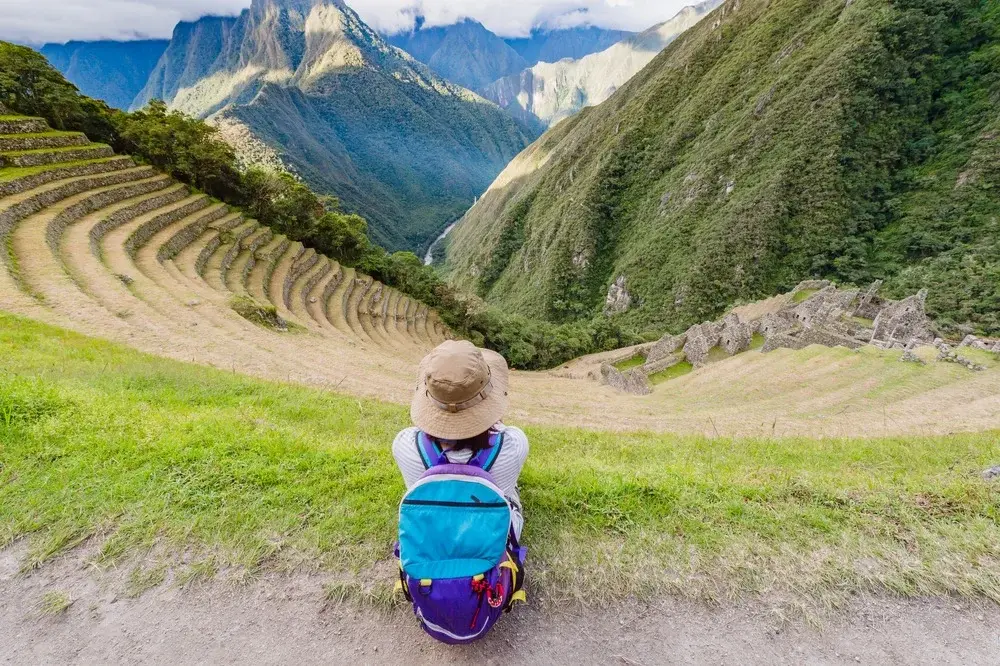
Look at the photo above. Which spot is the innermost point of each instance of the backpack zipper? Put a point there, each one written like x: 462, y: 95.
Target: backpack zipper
x: 469, y: 505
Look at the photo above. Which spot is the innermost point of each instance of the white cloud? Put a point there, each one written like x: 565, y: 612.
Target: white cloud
x: 38, y: 21
x: 511, y: 18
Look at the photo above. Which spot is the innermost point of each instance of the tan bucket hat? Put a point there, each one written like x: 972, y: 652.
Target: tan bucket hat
x: 461, y: 391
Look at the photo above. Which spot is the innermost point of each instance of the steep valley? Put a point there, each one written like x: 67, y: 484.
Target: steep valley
x: 337, y: 105
x: 772, y: 142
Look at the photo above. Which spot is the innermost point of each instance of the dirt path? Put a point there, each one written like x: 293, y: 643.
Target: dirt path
x: 284, y: 619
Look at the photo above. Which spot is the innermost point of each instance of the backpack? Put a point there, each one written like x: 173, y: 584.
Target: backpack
x: 460, y: 564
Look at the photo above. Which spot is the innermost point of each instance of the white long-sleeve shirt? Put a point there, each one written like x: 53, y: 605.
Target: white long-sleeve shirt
x: 505, y: 472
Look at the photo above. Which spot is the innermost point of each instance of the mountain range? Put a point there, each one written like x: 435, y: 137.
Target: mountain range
x: 554, y: 44
x: 309, y: 84
x: 108, y: 70
x: 773, y: 141
x: 550, y: 91
x: 395, y: 133
x: 468, y: 54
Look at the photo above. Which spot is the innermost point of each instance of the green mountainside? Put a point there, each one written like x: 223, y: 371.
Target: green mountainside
x: 774, y: 141
x: 113, y: 71
x: 307, y: 84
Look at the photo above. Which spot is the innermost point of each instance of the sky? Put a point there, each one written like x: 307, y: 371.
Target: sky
x: 39, y: 21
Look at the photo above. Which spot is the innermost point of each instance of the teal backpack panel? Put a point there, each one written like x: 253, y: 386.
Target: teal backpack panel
x: 452, y: 527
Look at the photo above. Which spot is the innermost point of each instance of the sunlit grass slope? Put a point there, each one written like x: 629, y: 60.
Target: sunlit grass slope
x: 145, y: 459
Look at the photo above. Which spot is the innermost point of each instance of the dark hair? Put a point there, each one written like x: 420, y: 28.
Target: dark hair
x: 474, y: 444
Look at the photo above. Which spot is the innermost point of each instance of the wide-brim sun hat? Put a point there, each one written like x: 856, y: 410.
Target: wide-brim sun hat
x: 461, y: 391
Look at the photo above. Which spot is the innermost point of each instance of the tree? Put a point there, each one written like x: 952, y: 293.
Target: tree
x: 30, y: 86
x: 185, y: 147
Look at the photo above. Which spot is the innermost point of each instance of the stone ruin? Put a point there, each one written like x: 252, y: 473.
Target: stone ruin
x: 817, y: 313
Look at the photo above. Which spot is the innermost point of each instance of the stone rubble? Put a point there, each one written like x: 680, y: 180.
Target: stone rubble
x: 817, y: 313
x: 619, y: 300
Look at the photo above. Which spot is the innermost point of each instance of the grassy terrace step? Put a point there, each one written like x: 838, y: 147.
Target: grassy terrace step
x: 214, y: 240
x: 301, y: 266
x: 236, y: 276
x: 389, y: 317
x: 277, y: 285
x: 17, y: 207
x: 211, y: 471
x: 260, y: 276
x: 319, y: 309
x: 182, y: 204
x: 34, y: 242
x: 303, y: 291
x: 408, y: 320
x: 211, y: 272
x: 147, y: 256
x: 45, y: 156
x: 376, y: 314
x: 145, y: 231
x: 101, y: 199
x: 22, y: 125
x: 22, y: 179
x: 364, y: 312
x: 233, y: 242
x: 400, y: 319
x: 38, y: 140
x: 336, y: 297
x: 182, y: 240
x: 420, y: 324
x: 258, y: 265
x: 346, y: 298
x: 352, y: 305
x: 258, y: 248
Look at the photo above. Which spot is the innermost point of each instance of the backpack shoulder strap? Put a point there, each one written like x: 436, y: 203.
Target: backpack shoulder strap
x: 430, y: 453
x: 486, y: 458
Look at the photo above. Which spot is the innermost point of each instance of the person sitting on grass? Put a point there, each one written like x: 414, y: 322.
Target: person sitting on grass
x: 461, y: 520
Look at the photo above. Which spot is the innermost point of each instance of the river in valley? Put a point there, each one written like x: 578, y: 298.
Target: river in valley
x: 429, y: 257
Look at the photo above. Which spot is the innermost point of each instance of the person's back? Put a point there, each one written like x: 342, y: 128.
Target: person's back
x: 461, y: 519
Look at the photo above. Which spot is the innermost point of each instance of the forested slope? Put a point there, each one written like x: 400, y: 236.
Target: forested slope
x: 772, y: 142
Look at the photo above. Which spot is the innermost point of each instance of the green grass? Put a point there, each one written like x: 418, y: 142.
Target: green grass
x: 636, y: 361
x: 54, y: 603
x: 29, y: 135
x: 987, y: 358
x: 803, y: 295
x: 63, y: 149
x: 716, y: 354
x: 158, y: 462
x: 674, y: 371
x: 757, y: 341
x: 13, y: 173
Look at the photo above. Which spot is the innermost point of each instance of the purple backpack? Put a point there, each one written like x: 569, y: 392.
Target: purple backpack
x: 460, y: 564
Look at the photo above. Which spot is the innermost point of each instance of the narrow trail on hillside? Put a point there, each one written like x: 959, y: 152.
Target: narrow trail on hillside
x: 286, y: 619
